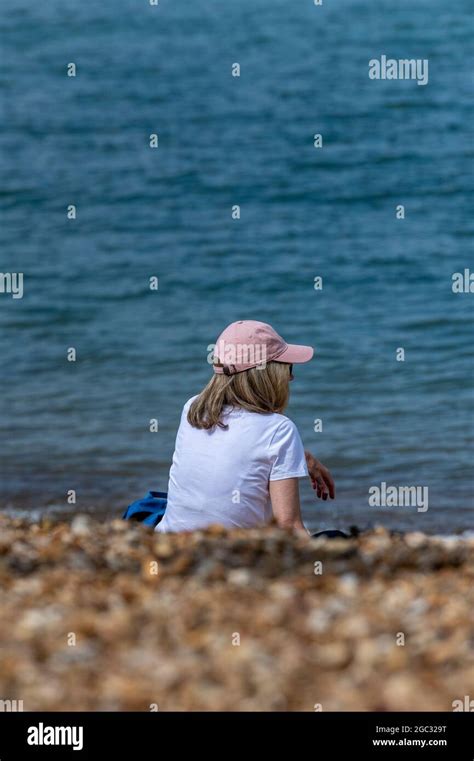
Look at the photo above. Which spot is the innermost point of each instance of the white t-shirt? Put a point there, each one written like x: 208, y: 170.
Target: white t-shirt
x: 221, y: 476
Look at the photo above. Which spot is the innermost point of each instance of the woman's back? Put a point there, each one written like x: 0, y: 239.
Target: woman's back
x: 222, y: 475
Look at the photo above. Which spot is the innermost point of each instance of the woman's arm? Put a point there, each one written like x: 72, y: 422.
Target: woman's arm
x: 285, y: 499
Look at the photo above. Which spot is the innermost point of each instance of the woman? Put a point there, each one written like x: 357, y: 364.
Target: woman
x: 237, y: 458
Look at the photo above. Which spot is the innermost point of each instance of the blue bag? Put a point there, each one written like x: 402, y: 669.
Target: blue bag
x: 149, y: 510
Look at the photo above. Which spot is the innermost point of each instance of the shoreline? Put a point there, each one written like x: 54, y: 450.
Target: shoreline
x: 112, y: 616
x: 54, y: 513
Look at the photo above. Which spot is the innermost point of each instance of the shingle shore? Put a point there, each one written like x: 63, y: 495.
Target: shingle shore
x: 111, y: 616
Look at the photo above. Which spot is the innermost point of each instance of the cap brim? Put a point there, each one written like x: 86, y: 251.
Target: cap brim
x: 295, y: 354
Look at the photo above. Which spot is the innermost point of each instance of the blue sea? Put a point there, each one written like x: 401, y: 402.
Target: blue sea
x: 305, y: 212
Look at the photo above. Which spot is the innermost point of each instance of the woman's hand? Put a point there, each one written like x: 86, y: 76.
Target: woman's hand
x: 321, y: 479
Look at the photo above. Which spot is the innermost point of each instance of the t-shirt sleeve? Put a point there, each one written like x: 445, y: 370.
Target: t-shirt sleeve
x: 287, y: 453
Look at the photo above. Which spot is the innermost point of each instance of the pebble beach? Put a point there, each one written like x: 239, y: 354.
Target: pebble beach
x: 112, y: 616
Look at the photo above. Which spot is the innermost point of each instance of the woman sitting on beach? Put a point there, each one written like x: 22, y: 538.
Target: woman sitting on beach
x: 237, y: 458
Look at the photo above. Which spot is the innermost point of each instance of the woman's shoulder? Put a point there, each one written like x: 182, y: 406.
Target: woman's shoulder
x: 275, y: 422
x: 282, y: 423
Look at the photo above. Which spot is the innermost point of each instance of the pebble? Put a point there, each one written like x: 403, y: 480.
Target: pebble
x: 81, y: 525
x: 232, y: 620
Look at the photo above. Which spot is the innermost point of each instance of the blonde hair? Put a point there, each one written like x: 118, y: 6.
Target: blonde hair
x: 263, y: 389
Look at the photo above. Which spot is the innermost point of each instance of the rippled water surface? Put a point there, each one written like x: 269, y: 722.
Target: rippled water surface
x: 304, y: 213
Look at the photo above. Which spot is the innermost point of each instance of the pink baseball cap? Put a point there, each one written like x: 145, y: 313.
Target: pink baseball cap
x: 248, y: 343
